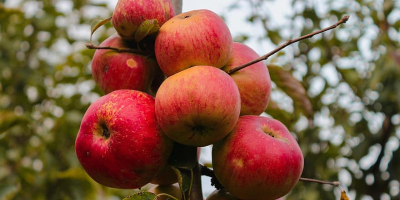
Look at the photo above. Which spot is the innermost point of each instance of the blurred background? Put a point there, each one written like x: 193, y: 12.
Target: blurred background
x: 338, y: 92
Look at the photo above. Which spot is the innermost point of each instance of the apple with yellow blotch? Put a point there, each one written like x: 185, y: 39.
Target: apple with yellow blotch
x: 113, y: 70
x: 258, y: 160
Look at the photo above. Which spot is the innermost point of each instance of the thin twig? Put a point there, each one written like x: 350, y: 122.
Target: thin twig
x: 334, y: 183
x: 287, y: 43
x: 126, y: 50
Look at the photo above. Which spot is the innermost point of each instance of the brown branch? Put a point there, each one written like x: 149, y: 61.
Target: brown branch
x: 122, y: 50
x: 287, y: 43
x: 334, y: 183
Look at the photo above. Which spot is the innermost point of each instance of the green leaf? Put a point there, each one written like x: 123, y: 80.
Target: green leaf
x: 9, y: 191
x: 98, y: 25
x: 143, y: 195
x: 10, y: 119
x: 293, y: 88
x: 146, y: 28
x: 279, y: 114
x: 185, y: 179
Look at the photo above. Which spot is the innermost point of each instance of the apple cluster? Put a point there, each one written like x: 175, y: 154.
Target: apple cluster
x: 171, y: 86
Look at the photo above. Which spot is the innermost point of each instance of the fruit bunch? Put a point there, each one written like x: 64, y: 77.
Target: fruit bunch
x: 166, y: 83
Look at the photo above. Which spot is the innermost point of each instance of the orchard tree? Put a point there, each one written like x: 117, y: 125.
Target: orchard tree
x: 335, y: 92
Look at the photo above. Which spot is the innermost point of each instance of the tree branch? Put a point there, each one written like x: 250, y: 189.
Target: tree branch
x: 126, y: 50
x: 177, y: 6
x: 287, y: 43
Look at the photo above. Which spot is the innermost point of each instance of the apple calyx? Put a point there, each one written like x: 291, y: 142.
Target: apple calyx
x: 274, y: 134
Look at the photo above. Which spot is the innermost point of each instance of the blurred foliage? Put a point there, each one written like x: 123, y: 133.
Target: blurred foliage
x: 346, y: 118
x: 351, y: 76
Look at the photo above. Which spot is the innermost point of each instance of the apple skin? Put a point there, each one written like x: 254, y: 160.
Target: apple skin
x: 259, y: 160
x: 221, y: 195
x: 172, y: 190
x: 114, y: 70
x: 119, y: 143
x: 224, y: 195
x: 198, y: 106
x: 254, y: 82
x: 129, y: 14
x: 198, y: 37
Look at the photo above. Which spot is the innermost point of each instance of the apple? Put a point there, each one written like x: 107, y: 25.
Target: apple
x: 114, y: 70
x: 172, y: 190
x: 119, y: 143
x: 221, y: 195
x: 198, y: 106
x: 254, y: 82
x: 259, y: 160
x: 198, y: 37
x: 224, y: 195
x: 129, y: 14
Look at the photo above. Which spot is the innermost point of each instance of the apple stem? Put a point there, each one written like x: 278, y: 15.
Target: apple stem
x: 196, y: 191
x: 287, y: 43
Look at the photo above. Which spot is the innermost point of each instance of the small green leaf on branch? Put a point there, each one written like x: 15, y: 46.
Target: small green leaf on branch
x: 185, y: 180
x: 143, y: 195
x: 293, y: 88
x: 146, y: 28
x: 98, y: 25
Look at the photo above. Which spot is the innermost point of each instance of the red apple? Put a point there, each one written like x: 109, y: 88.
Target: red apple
x: 224, y: 195
x: 114, y: 70
x: 198, y: 106
x: 259, y: 160
x: 221, y: 195
x: 254, y: 82
x: 198, y: 37
x: 129, y: 14
x: 119, y: 143
x: 172, y: 190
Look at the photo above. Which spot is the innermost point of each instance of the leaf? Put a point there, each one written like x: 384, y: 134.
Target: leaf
x: 10, y: 119
x: 344, y: 196
x: 278, y: 113
x: 185, y: 179
x: 183, y: 157
x: 9, y: 191
x: 143, y: 195
x: 146, y: 28
x: 293, y: 88
x: 98, y: 25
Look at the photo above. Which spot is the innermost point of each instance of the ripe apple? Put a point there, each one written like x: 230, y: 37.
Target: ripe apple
x: 114, y: 70
x: 224, y: 195
x: 129, y: 14
x: 198, y: 37
x: 198, y: 106
x: 259, y: 160
x: 119, y: 143
x: 254, y: 82
x: 172, y: 190
x: 221, y: 195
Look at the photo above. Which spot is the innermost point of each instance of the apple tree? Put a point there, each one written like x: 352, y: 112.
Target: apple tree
x: 336, y: 92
